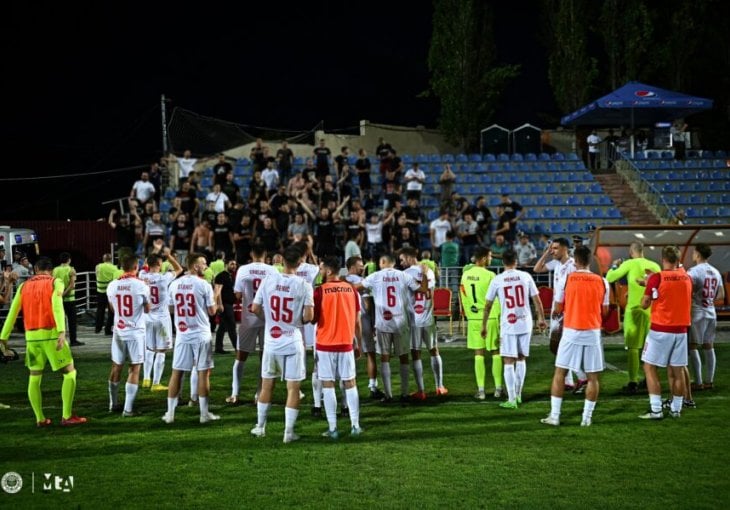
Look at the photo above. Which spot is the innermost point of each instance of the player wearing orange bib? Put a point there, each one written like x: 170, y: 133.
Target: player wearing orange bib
x: 584, y: 300
x: 337, y: 316
x: 669, y: 293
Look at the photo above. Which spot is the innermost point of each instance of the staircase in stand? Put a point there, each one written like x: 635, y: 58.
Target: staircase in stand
x: 628, y: 203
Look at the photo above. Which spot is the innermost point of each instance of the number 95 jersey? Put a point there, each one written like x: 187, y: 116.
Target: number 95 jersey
x: 283, y: 298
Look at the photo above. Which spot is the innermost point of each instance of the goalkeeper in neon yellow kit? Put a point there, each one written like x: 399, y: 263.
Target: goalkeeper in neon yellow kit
x: 636, y: 319
x: 474, y: 284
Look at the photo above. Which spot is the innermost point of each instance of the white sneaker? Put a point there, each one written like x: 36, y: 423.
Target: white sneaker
x: 674, y: 414
x: 301, y: 395
x: 290, y: 437
x: 258, y: 431
x: 586, y: 423
x: 551, y: 421
x: 209, y: 417
x: 498, y: 393
x: 651, y: 415
x: 480, y: 395
x: 167, y: 418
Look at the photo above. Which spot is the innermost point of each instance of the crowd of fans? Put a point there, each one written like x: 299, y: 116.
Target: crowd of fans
x: 282, y: 204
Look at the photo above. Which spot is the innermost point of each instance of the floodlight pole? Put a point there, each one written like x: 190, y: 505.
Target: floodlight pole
x: 163, y: 111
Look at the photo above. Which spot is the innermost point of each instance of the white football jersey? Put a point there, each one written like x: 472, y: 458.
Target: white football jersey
x: 248, y: 281
x: 706, y: 284
x: 422, y: 301
x: 391, y: 291
x: 560, y: 273
x: 159, y: 284
x: 128, y: 295
x: 355, y: 279
x: 191, y: 296
x: 308, y: 272
x: 514, y: 289
x: 283, y: 298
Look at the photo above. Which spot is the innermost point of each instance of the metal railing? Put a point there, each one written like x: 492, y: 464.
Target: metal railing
x: 645, y: 190
x: 85, y: 289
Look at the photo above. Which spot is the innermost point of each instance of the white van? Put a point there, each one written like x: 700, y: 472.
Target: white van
x: 23, y: 240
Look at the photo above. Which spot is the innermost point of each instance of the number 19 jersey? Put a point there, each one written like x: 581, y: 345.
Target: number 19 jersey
x: 191, y: 296
x: 128, y: 295
x: 248, y: 281
x: 283, y: 298
x: 514, y: 289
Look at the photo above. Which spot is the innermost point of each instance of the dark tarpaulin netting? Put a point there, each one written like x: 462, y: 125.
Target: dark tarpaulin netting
x: 207, y: 135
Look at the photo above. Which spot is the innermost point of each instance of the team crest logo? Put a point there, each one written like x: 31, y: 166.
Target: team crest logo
x: 511, y: 318
x: 645, y: 93
x: 387, y: 315
x: 276, y: 332
x: 419, y: 308
x: 120, y: 324
x: 11, y: 482
x: 182, y: 327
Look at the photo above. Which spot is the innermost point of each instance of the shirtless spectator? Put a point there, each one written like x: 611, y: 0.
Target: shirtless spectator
x: 202, y: 239
x: 446, y: 182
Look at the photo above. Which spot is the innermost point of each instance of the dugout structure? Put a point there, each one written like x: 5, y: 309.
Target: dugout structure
x: 612, y: 242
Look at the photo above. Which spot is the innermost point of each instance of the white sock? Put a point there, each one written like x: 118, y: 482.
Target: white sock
x: 262, y: 414
x: 438, y: 370
x: 385, y: 375
x: 404, y: 380
x: 372, y: 384
x: 569, y: 378
x: 555, y: 405
x: 113, y: 394
x: 171, y: 405
x: 588, y: 407
x: 655, y: 401
x: 237, y: 375
x: 353, y: 404
x: 194, y: 385
x: 290, y: 418
x: 418, y: 373
x: 520, y: 371
x: 696, y: 364
x: 330, y: 407
x: 509, y: 381
x: 677, y: 403
x: 203, y: 406
x: 149, y: 357
x: 343, y: 397
x: 131, y: 392
x: 581, y: 375
x: 316, y: 390
x: 710, y: 362
x: 159, y: 367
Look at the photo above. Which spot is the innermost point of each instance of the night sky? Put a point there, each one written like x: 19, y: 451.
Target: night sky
x: 84, y: 96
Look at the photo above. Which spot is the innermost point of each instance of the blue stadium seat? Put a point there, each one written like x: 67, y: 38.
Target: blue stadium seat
x: 639, y: 155
x: 564, y: 213
x: 521, y: 189
x: 667, y: 155
x: 557, y: 200
x: 208, y: 172
x: 475, y: 158
x: 541, y: 200
x: 435, y: 158
x: 530, y: 157
x: 503, y: 157
x: 206, y: 182
x: 407, y: 159
x: 581, y: 212
x: 547, y: 213
x: 169, y: 194
x: 489, y: 158
x: 572, y: 200
x: 551, y: 188
x: 543, y: 156
x: 537, y: 189
x: 721, y: 154
x: 588, y: 200
x: 298, y: 161
x: 613, y: 213
x: 517, y: 157
x: 422, y: 158
x: 596, y: 188
x: 165, y: 206
x: 246, y: 161
x: 485, y: 178
x: 572, y: 156
x: 449, y: 158
x: 557, y: 228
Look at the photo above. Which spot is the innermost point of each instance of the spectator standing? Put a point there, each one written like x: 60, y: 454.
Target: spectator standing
x: 219, y: 199
x: 186, y: 165
x: 155, y: 176
x: 526, y: 252
x: 594, y: 159
x: 322, y: 160
x: 415, y: 179
x: 285, y: 160
x: 186, y: 200
x: 446, y: 182
x: 467, y: 230
x: 125, y: 231
x: 223, y: 286
x: 363, y: 166
x: 438, y: 229
x: 257, y: 156
x: 270, y: 176
x: 221, y: 169
x: 143, y: 190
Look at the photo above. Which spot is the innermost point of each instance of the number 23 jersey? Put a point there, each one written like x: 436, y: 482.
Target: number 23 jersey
x: 190, y: 297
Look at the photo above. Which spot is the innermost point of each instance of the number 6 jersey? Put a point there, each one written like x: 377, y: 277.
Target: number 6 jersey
x: 391, y: 291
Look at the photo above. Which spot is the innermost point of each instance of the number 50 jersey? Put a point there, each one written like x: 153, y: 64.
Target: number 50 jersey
x: 514, y: 289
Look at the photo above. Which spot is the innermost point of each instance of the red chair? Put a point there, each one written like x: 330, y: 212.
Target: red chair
x: 546, y: 298
x: 442, y: 306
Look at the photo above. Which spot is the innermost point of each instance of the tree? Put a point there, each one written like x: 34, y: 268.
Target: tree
x: 463, y: 75
x: 571, y: 71
x: 626, y: 28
